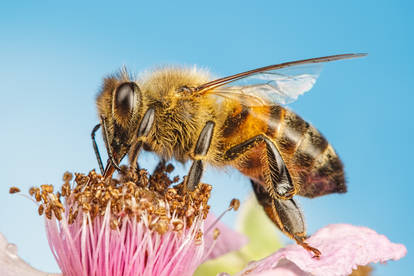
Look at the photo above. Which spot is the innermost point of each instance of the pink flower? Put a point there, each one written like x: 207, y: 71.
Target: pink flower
x: 12, y: 265
x: 122, y: 228
x: 94, y: 248
x: 132, y: 226
x: 172, y: 254
x: 343, y: 247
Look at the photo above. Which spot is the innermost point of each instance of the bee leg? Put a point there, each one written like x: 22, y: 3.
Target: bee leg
x: 144, y: 128
x: 112, y: 164
x: 160, y: 166
x: 96, y: 149
x: 133, y: 155
x: 286, y: 215
x: 277, y: 178
x: 201, y: 149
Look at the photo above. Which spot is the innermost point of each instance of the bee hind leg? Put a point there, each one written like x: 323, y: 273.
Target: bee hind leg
x: 201, y: 149
x: 286, y: 215
x: 276, y: 175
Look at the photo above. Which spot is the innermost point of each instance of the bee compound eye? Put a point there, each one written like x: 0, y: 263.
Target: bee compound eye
x: 125, y: 98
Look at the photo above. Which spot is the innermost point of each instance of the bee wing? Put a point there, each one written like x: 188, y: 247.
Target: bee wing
x: 277, y: 86
x: 280, y: 83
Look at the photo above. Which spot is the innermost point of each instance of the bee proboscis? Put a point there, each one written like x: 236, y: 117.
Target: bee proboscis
x: 238, y: 121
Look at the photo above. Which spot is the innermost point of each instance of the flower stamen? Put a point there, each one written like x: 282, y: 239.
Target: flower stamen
x: 234, y: 205
x: 134, y: 225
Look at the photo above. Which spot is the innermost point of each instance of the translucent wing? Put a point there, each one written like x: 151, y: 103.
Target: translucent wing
x: 276, y: 86
x: 280, y: 83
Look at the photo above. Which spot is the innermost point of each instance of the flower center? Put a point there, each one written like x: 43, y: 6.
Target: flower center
x: 134, y: 194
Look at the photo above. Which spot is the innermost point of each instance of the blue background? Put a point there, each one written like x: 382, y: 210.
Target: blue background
x: 54, y: 55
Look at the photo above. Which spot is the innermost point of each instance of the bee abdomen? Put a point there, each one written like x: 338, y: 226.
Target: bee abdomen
x: 327, y: 175
x: 311, y: 146
x: 233, y: 122
x: 307, y: 153
x: 290, y: 130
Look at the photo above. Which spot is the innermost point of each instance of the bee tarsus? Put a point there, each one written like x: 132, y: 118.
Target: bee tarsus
x: 194, y: 175
x: 286, y: 215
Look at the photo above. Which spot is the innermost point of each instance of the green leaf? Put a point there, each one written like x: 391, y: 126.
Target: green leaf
x: 263, y: 240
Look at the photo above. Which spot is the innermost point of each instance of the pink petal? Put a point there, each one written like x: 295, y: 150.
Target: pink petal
x: 228, y: 240
x: 89, y: 247
x: 12, y: 265
x: 343, y: 247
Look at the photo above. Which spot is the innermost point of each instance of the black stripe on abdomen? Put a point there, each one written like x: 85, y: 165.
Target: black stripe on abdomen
x: 234, y: 121
x: 311, y: 146
x: 290, y: 132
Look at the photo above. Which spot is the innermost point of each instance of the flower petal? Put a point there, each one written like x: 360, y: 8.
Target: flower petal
x: 12, y: 265
x: 227, y: 241
x: 343, y: 247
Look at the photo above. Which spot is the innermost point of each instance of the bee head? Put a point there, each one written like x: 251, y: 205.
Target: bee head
x: 125, y: 102
x: 119, y: 107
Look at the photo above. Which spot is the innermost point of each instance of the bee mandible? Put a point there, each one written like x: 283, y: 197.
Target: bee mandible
x: 238, y: 121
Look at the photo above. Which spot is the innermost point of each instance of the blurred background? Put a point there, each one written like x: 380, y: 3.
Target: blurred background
x: 53, y: 57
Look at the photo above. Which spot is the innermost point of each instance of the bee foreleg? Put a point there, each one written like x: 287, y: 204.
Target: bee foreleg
x: 108, y: 170
x: 160, y: 166
x: 286, y: 215
x: 133, y: 154
x: 201, y: 149
x: 276, y: 174
x: 144, y: 128
x: 96, y: 149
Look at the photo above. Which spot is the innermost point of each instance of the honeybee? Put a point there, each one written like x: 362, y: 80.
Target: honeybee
x: 238, y: 121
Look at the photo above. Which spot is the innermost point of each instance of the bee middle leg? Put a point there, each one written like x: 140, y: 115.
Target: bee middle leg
x: 286, y: 215
x: 144, y: 128
x: 276, y: 175
x: 201, y: 149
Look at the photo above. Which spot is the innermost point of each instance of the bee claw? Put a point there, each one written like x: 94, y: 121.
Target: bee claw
x: 315, y: 251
